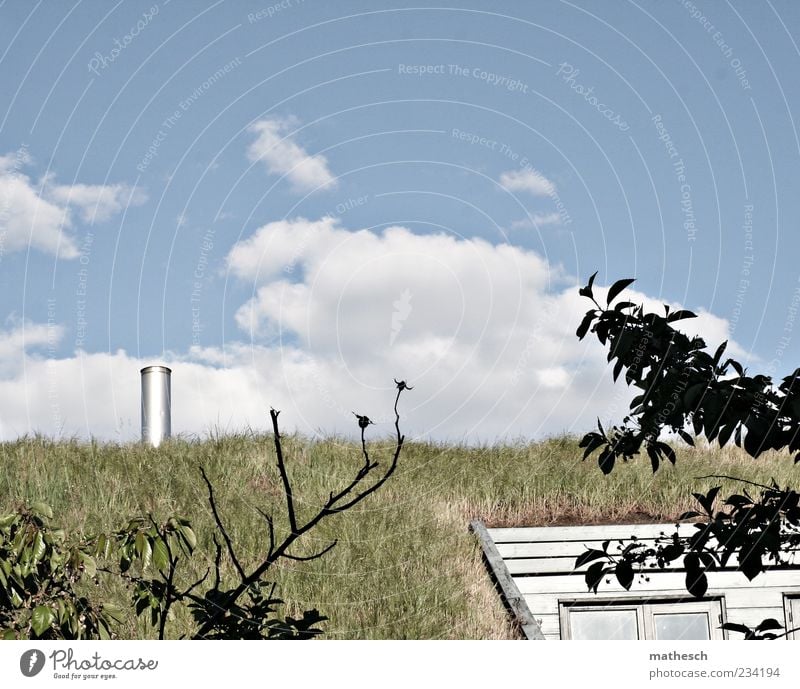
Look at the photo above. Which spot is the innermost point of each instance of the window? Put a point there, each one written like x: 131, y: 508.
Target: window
x: 661, y: 620
x: 791, y: 606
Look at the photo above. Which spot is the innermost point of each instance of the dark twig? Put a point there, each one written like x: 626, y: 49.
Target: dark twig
x: 271, y: 527
x: 186, y: 593
x: 734, y: 478
x: 307, y: 558
x: 220, y: 526
x: 217, y: 561
x: 287, y: 486
x: 330, y: 507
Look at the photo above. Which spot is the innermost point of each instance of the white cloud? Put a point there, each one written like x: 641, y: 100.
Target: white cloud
x: 537, y: 220
x: 28, y: 219
x: 22, y: 336
x: 485, y: 334
x: 527, y: 179
x: 40, y: 215
x: 98, y: 202
x: 282, y: 156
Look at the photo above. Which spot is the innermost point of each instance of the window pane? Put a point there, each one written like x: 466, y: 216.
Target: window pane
x: 681, y: 625
x: 603, y: 624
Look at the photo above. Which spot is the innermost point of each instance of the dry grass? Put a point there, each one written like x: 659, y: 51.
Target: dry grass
x: 406, y: 565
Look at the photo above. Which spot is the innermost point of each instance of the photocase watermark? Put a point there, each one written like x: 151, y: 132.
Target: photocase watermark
x: 402, y: 310
x: 101, y: 61
x: 270, y: 11
x: 183, y: 106
x: 81, y: 290
x: 206, y: 245
x: 31, y: 662
x: 66, y: 665
x: 719, y: 39
x: 569, y: 74
x: 505, y: 150
x: 464, y: 71
x: 679, y: 168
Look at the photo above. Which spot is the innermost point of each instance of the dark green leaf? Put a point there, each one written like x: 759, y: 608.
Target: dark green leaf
x: 652, y: 452
x: 734, y: 627
x: 188, y: 536
x: 750, y: 562
x: 42, y: 509
x: 680, y: 315
x: 624, y: 305
x: 587, y: 557
x: 624, y: 573
x: 725, y: 433
x: 144, y: 549
x: 768, y: 624
x: 667, y: 450
x: 41, y: 619
x: 587, y: 291
x: 617, y: 287
x: 606, y: 460
x: 160, y: 554
x: 594, y: 575
x: 583, y: 328
x: 696, y: 583
x: 89, y: 565
x: 689, y: 515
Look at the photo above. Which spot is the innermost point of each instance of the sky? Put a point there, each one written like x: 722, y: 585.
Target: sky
x: 293, y: 203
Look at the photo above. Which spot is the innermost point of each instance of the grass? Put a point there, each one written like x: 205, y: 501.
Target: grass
x: 406, y: 565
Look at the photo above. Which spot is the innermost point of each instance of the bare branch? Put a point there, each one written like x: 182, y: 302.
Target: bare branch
x: 221, y: 527
x: 217, y: 561
x: 188, y: 591
x: 734, y: 478
x: 287, y: 487
x: 328, y: 509
x: 311, y: 557
x: 271, y: 526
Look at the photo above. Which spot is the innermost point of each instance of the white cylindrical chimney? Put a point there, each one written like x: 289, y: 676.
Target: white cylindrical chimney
x: 156, y: 404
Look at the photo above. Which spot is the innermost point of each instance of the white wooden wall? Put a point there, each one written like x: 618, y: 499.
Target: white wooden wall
x: 541, y: 559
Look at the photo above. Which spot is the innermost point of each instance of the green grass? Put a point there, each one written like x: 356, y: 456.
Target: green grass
x: 406, y: 565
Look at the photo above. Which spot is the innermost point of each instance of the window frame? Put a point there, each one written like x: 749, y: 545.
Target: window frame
x: 791, y: 613
x: 646, y: 609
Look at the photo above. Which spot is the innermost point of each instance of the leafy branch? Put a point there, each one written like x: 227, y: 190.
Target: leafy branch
x: 683, y: 387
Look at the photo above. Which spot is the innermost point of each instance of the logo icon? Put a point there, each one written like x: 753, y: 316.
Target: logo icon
x: 31, y: 662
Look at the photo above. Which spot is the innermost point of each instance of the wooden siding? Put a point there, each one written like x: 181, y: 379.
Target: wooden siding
x: 540, y: 560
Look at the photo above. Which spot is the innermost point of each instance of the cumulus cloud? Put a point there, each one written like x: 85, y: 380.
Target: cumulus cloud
x: 28, y: 219
x: 22, y: 337
x: 274, y: 147
x: 39, y: 215
x: 529, y: 180
x: 485, y: 334
x: 97, y: 202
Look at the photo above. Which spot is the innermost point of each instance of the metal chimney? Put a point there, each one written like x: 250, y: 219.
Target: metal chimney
x: 156, y: 404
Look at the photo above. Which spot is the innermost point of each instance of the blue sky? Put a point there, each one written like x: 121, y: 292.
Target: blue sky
x: 293, y: 202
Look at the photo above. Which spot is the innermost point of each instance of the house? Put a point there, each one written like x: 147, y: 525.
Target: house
x: 534, y: 571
